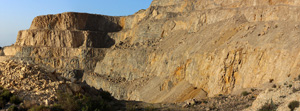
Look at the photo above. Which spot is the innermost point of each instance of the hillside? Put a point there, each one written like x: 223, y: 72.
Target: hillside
x: 175, y: 50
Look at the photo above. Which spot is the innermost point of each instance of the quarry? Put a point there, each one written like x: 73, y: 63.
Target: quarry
x: 175, y: 55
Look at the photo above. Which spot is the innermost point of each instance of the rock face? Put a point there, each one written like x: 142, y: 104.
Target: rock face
x: 173, y: 51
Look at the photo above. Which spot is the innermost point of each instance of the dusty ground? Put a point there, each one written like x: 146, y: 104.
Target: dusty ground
x: 219, y: 103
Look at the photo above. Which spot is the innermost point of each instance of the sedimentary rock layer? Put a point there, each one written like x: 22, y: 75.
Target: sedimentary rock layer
x: 203, y: 47
x: 64, y: 38
x: 78, y: 21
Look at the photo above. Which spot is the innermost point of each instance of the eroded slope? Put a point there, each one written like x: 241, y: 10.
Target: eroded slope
x: 173, y: 51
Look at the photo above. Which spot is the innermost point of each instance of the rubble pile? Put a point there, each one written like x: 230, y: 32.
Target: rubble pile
x: 30, y: 82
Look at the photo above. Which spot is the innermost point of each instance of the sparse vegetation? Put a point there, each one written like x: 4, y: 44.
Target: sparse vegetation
x: 45, y: 108
x: 6, y: 96
x: 39, y: 108
x: 290, y: 85
x: 271, y: 80
x: 2, y: 102
x: 77, y: 102
x: 130, y: 107
x: 15, y: 100
x: 269, y: 107
x: 13, y: 108
x: 81, y: 102
x: 293, y: 105
x: 149, y: 108
x: 274, y: 86
x: 66, y: 102
x: 106, y: 95
x: 245, y: 93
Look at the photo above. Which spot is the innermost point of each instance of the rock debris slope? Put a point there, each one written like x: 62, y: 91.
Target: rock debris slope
x: 173, y: 51
x: 33, y: 83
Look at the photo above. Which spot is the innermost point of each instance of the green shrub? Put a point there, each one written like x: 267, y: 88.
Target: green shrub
x: 81, y: 102
x: 106, y: 95
x: 6, y: 95
x: 56, y: 107
x: 293, y: 105
x: 93, y: 103
x: 130, y: 107
x: 67, y: 101
x: 149, y: 108
x: 2, y: 102
x: 274, y: 86
x: 13, y: 108
x: 39, y: 108
x: 15, y: 100
x: 245, y: 93
x: 268, y: 107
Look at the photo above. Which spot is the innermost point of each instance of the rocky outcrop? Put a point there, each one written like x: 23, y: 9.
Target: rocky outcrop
x: 65, y: 41
x: 64, y: 38
x: 78, y: 21
x: 173, y: 51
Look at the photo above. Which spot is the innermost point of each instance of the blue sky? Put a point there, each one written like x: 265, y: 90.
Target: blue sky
x: 17, y: 15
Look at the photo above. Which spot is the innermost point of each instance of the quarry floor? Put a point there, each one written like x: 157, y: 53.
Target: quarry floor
x: 236, y: 102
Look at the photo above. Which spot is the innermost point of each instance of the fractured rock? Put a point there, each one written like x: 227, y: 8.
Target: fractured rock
x: 171, y: 52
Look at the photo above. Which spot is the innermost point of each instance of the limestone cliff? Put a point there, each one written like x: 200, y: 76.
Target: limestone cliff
x: 174, y: 50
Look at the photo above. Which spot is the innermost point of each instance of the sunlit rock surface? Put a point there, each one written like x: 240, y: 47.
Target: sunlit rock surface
x: 173, y: 51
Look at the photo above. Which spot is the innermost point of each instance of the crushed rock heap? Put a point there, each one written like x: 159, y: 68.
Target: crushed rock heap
x: 31, y: 82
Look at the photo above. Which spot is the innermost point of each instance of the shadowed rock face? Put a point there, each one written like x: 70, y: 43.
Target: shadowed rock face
x: 174, y: 50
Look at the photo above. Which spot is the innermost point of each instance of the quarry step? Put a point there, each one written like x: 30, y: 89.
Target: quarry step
x: 78, y: 21
x: 48, y: 52
x: 63, y: 38
x: 210, y: 46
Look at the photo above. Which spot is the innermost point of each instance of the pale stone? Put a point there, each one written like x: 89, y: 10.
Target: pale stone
x: 184, y: 48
